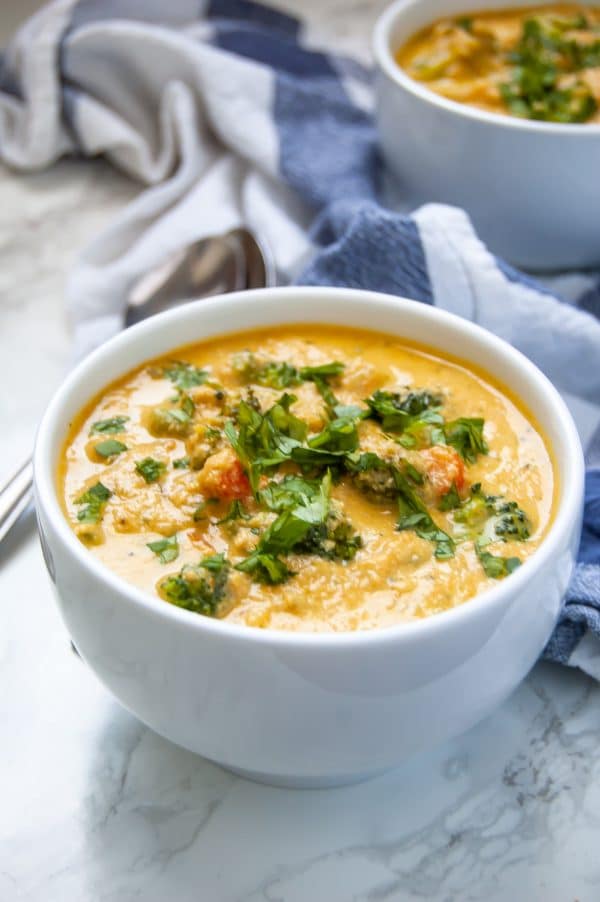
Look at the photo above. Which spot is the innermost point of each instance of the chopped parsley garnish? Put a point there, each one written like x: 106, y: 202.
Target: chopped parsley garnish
x: 304, y: 521
x: 323, y: 370
x: 110, y: 447
x: 198, y: 588
x: 182, y: 463
x: 339, y: 435
x: 288, y: 531
x: 94, y: 499
x: 416, y: 417
x: 365, y: 462
x: 236, y: 512
x: 271, y: 373
x: 265, y: 440
x: 185, y: 375
x: 494, y: 566
x: 397, y: 412
x: 544, y: 83
x: 412, y: 510
x: 265, y: 567
x: 281, y: 375
x: 423, y: 430
x: 216, y: 563
x: 166, y: 549
x: 450, y: 500
x: 150, y: 469
x: 413, y: 514
x: 320, y: 376
x: 466, y: 436
x: 110, y: 426
x: 290, y: 491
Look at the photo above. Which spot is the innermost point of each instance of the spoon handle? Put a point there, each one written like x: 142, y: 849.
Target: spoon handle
x: 15, y: 496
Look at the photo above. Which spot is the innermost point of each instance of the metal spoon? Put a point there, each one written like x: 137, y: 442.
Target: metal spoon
x: 231, y: 262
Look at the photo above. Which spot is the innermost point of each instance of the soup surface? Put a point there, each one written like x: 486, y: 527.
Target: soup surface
x: 307, y: 478
x: 538, y: 62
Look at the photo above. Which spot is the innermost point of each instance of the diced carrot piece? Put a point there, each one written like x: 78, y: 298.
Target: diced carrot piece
x: 234, y: 483
x: 223, y: 477
x: 444, y: 466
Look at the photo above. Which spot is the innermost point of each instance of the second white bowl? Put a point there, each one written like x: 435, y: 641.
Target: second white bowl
x: 531, y: 188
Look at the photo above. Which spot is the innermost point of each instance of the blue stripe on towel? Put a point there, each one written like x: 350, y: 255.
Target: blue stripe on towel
x: 253, y: 13
x: 590, y: 301
x: 589, y: 549
x: 328, y: 147
x: 366, y: 247
x: 275, y: 51
x: 8, y: 81
x: 581, y: 611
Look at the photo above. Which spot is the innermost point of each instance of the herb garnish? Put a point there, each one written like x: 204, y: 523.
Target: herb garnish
x: 271, y: 373
x: 110, y: 447
x: 413, y: 512
x: 265, y: 567
x: 150, y: 469
x: 415, y: 516
x: 306, y: 509
x: 236, y: 512
x: 110, y: 426
x: 185, y: 375
x: 182, y: 463
x: 542, y: 59
x: 265, y: 440
x: 281, y: 375
x: 397, y: 412
x: 304, y: 522
x: 166, y: 549
x: 339, y: 435
x: 494, y: 566
x: 320, y: 376
x: 450, y: 500
x: 466, y: 436
x: 95, y: 499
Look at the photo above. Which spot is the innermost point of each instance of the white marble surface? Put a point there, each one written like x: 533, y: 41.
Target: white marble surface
x: 96, y: 808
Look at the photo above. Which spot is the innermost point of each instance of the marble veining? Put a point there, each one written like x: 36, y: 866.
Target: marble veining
x: 97, y: 808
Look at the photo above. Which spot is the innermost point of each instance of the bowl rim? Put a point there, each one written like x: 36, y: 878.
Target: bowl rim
x: 567, y: 512
x: 380, y: 44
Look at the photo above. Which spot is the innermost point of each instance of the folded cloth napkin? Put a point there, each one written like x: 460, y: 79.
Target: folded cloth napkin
x: 228, y: 117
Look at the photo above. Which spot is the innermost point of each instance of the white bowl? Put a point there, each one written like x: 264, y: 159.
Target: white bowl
x: 304, y: 709
x: 531, y: 188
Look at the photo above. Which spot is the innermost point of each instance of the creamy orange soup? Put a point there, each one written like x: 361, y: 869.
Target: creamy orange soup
x: 308, y: 478
x: 539, y: 62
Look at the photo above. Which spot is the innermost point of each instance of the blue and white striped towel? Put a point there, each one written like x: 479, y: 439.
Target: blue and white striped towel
x: 227, y: 117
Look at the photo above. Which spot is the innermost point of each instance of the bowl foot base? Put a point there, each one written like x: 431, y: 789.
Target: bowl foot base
x: 285, y: 781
